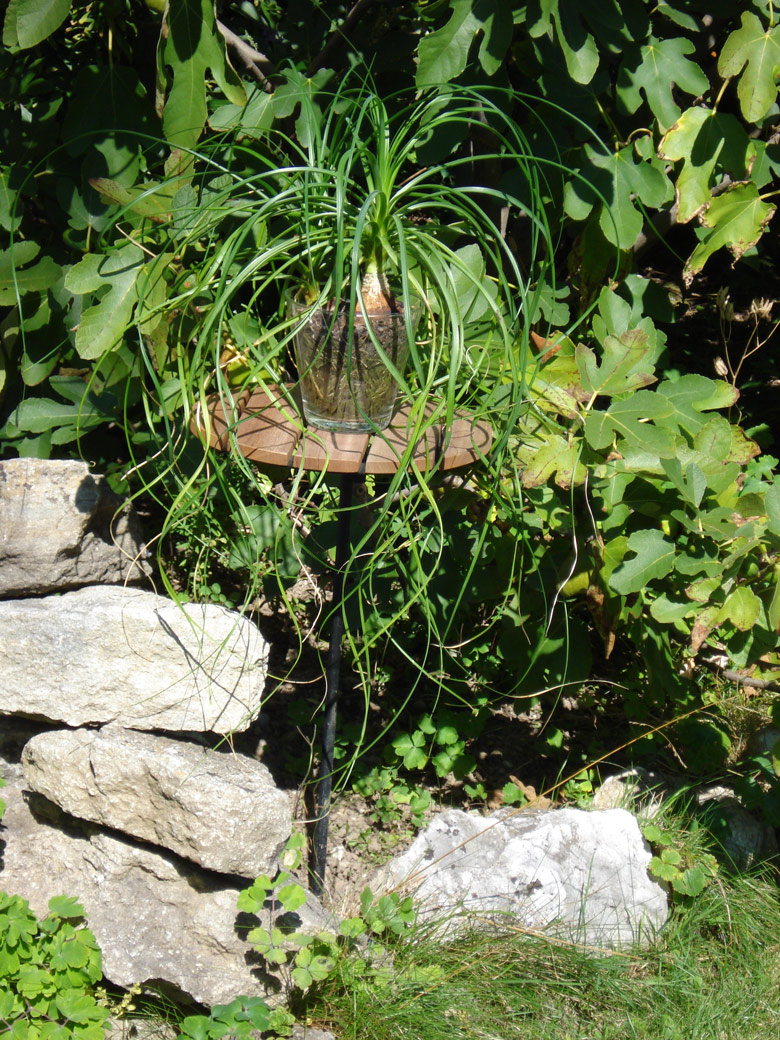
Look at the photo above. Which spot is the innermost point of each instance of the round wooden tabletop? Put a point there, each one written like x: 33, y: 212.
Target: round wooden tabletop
x: 269, y: 430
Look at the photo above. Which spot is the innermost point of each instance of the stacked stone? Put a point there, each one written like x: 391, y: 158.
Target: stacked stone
x: 116, y: 706
x: 116, y: 710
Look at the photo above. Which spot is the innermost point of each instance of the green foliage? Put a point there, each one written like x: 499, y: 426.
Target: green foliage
x: 393, y: 801
x: 688, y: 983
x: 443, y: 744
x: 388, y: 914
x: 28, y: 22
x: 752, y: 52
x: 687, y: 871
x: 48, y: 970
x: 242, y: 1017
x: 191, y: 47
x: 304, y: 960
x: 507, y: 161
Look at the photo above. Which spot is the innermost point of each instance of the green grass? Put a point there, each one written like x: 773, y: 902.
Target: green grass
x: 714, y: 973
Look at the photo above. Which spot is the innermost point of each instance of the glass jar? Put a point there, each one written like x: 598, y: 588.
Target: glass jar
x: 345, y: 381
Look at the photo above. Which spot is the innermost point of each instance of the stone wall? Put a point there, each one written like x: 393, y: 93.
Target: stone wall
x: 116, y: 706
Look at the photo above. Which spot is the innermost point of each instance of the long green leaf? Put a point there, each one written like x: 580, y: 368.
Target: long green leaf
x: 653, y: 71
x: 442, y: 55
x: 28, y: 22
x: 191, y: 46
x: 735, y: 221
x: 709, y: 145
x: 102, y: 325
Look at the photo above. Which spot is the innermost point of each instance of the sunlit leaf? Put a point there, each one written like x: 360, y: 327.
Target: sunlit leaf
x: 654, y: 559
x: 292, y: 896
x: 667, y: 611
x: 27, y: 22
x: 550, y: 456
x: 18, y: 278
x: 690, y: 396
x: 627, y: 364
x: 102, y: 325
x: 772, y: 503
x: 253, y: 119
x: 742, y: 608
x: 443, y: 54
x: 709, y: 145
x: 66, y: 906
x: 653, y: 70
x: 735, y: 220
x: 757, y: 51
x: 628, y: 420
x: 191, y: 48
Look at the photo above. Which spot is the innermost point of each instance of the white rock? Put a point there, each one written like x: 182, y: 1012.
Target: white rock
x: 217, y: 809
x: 582, y: 875
x: 110, y: 654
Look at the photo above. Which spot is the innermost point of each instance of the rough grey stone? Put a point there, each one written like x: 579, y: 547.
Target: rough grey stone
x: 62, y: 527
x: 579, y: 874
x: 110, y: 654
x: 744, y: 838
x: 640, y: 790
x: 220, y: 810
x: 158, y: 921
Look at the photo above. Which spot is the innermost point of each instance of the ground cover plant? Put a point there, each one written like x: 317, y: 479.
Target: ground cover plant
x: 595, y: 188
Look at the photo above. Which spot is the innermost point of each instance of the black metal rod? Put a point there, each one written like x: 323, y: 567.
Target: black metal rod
x: 332, y: 689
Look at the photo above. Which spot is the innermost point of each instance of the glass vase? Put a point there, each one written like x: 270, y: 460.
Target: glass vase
x: 345, y: 382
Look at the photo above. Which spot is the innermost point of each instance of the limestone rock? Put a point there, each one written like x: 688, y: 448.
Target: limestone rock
x: 744, y: 839
x: 158, y: 921
x: 111, y: 654
x: 220, y: 810
x: 582, y: 875
x: 63, y: 527
x: 641, y: 790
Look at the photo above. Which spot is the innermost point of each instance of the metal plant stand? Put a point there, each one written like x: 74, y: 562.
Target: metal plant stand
x: 269, y: 432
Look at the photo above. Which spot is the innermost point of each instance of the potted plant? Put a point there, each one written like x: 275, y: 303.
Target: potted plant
x: 366, y: 254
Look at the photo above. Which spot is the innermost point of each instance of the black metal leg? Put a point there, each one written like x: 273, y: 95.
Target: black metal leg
x: 332, y: 683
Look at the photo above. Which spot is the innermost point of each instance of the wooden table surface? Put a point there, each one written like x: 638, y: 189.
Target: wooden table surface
x: 270, y: 431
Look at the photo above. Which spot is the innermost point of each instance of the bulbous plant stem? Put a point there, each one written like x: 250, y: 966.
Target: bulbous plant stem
x: 375, y: 290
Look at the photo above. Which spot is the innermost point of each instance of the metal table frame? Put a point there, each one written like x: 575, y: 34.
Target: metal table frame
x: 269, y: 431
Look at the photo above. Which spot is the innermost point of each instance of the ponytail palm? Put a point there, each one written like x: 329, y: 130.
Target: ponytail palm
x: 366, y: 203
x: 356, y: 210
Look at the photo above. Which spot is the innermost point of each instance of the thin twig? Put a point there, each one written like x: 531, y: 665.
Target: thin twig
x: 743, y: 680
x: 255, y: 63
x: 338, y: 35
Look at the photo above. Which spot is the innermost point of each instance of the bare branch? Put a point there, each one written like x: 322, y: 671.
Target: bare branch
x: 256, y: 64
x: 338, y: 35
x: 743, y: 680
